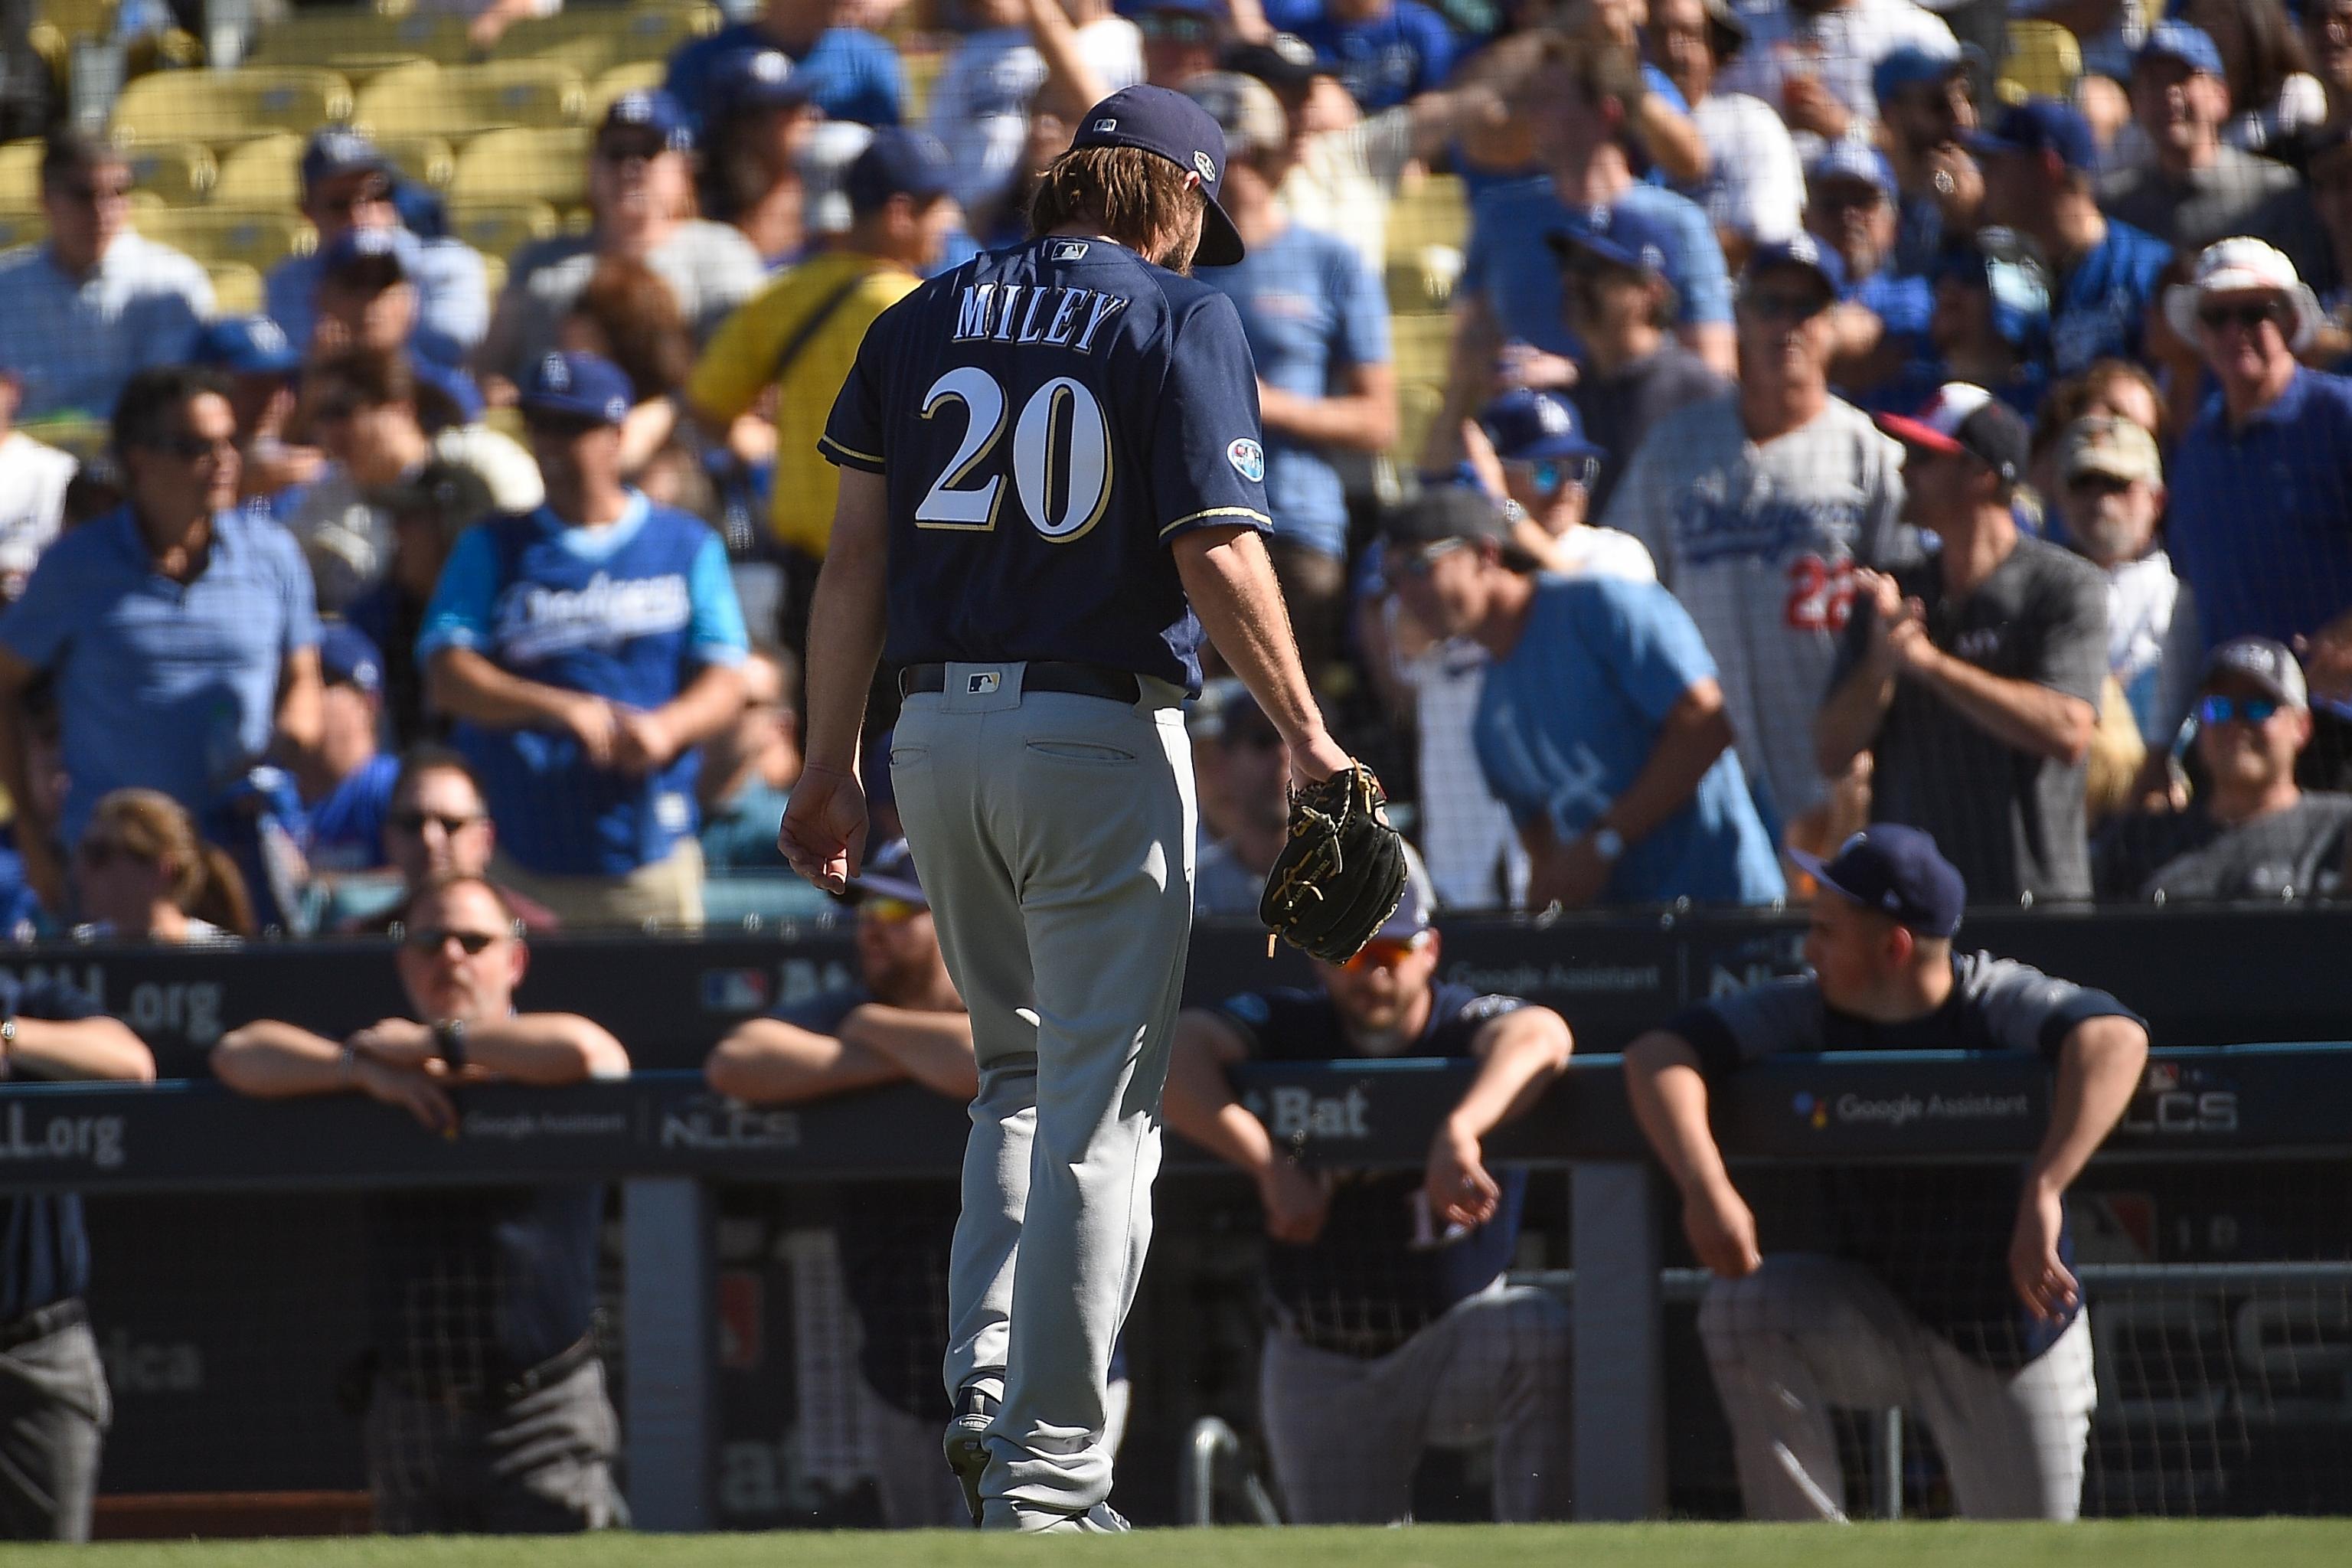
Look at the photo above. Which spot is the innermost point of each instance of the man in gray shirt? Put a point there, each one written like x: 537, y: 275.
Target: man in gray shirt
x: 2251, y: 833
x: 1974, y: 678
x: 2199, y: 188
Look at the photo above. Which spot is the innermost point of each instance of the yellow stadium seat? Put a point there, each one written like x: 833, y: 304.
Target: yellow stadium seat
x: 921, y: 71
x: 259, y: 239
x: 524, y: 165
x: 1423, y: 346
x: 236, y: 288
x: 494, y: 275
x: 265, y: 172
x: 180, y: 173
x: 80, y: 434
x: 361, y: 67
x: 592, y: 40
x: 1434, y: 212
x: 210, y: 105
x: 21, y: 228
x: 636, y: 75
x: 77, y: 18
x: 310, y: 37
x: 20, y: 175
x: 1417, y: 409
x: 2044, y: 61
x: 425, y: 158
x: 502, y: 229
x: 461, y: 100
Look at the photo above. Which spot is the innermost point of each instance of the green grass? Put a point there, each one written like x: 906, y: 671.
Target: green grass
x: 2236, y: 1543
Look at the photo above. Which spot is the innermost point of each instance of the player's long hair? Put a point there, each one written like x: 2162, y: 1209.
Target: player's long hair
x: 1137, y: 198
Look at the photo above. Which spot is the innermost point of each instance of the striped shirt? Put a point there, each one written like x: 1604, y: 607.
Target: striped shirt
x: 73, y: 341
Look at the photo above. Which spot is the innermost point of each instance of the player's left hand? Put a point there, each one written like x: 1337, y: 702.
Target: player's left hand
x: 2043, y: 1282
x: 822, y: 836
x: 1459, y: 1188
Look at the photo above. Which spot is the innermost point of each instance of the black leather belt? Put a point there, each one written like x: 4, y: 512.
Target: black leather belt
x: 43, y: 1322
x: 1041, y: 675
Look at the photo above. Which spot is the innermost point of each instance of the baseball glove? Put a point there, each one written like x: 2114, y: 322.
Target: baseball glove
x: 1341, y: 872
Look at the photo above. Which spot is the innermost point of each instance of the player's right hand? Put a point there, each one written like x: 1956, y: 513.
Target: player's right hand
x: 822, y: 836
x: 1296, y: 1202
x: 1722, y: 1231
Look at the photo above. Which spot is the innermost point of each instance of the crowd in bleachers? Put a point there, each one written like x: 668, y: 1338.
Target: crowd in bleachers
x: 1693, y: 430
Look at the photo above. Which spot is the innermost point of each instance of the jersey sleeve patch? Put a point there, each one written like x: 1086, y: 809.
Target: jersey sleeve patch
x: 1488, y: 1008
x: 1248, y: 460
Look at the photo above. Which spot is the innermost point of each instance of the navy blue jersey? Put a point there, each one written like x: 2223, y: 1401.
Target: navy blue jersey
x: 468, y: 1288
x: 44, y: 1248
x: 1049, y: 418
x: 1383, y: 1266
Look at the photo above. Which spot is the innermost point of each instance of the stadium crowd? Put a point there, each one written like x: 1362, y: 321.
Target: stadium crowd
x: 1818, y: 436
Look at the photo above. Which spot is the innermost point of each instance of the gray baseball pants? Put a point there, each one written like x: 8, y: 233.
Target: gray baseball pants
x: 1053, y: 835
x: 1345, y: 1433
x: 917, y: 1491
x: 54, y: 1412
x: 1805, y: 1332
x: 540, y: 1464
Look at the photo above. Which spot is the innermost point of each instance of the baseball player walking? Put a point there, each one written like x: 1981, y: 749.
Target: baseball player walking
x: 1946, y: 1290
x: 1052, y: 481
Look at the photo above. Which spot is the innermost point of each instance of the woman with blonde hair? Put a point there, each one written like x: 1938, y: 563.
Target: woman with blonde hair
x: 141, y: 874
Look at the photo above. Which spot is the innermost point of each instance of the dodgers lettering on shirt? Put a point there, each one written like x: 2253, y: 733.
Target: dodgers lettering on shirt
x: 629, y: 613
x: 1048, y: 418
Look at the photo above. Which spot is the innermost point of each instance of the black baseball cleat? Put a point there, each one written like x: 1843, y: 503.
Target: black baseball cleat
x: 966, y: 1443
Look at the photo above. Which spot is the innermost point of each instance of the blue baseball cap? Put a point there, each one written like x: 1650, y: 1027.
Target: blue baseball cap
x: 1528, y: 425
x: 1164, y: 121
x: 898, y: 161
x: 246, y: 345
x: 1853, y: 160
x: 2021, y: 294
x: 577, y: 386
x: 888, y: 873
x: 336, y: 152
x: 2192, y: 47
x: 1899, y: 872
x: 1803, y: 252
x: 376, y: 258
x: 1416, y: 911
x: 1910, y: 65
x: 1621, y: 235
x: 651, y: 108
x: 761, y: 79
x: 2041, y: 125
x: 349, y: 657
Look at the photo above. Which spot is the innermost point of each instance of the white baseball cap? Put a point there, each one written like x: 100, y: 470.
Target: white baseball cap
x: 2242, y: 265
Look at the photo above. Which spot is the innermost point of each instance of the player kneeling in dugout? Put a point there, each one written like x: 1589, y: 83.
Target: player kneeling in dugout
x: 1946, y: 1290
x: 1392, y: 1327
x: 485, y: 1406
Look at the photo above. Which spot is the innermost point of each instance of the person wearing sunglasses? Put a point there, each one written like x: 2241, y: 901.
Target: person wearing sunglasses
x: 180, y: 631
x: 1758, y: 506
x: 436, y: 825
x: 901, y: 1022
x: 2252, y: 832
x: 2262, y: 481
x: 1392, y: 1327
x: 1600, y: 725
x: 97, y: 301
x: 487, y: 1411
x: 1548, y: 470
x: 141, y: 874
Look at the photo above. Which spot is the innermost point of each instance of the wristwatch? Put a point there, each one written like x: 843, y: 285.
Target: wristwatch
x: 1607, y: 843
x: 449, y: 1039
x: 9, y: 1046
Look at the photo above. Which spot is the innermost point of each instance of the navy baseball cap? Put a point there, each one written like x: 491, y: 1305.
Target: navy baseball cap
x: 2192, y: 47
x: 246, y: 345
x: 1285, y: 62
x: 577, y: 386
x: 888, y: 873
x: 1910, y: 66
x: 1620, y: 236
x: 365, y: 257
x: 2041, y: 125
x: 349, y: 657
x: 761, y: 79
x: 1162, y: 120
x: 336, y: 152
x: 651, y: 108
x: 1899, y: 872
x: 1527, y: 425
x: 1853, y: 160
x: 1801, y: 252
x: 898, y: 161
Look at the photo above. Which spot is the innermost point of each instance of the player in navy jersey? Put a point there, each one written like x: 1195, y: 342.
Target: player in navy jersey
x: 1050, y: 460
x: 1392, y: 1327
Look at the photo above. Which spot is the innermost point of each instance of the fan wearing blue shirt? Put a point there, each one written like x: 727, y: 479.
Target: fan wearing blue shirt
x: 180, y: 632
x: 2038, y: 160
x: 1601, y: 725
x: 587, y: 649
x: 1581, y: 99
x: 1382, y: 51
x: 54, y: 1403
x: 852, y: 74
x: 347, y: 784
x: 1851, y: 209
x: 1317, y: 325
